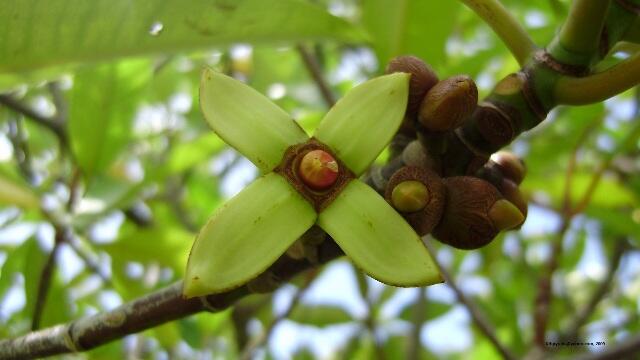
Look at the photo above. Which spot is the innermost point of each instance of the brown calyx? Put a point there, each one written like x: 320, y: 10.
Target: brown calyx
x: 290, y: 164
x: 448, y: 104
x: 424, y: 220
x: 423, y: 78
x: 465, y: 222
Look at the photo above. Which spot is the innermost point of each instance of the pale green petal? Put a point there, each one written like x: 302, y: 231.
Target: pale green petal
x: 377, y: 239
x: 247, y: 120
x: 362, y: 123
x: 246, y: 235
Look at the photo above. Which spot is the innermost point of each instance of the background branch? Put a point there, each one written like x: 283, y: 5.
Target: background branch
x: 506, y: 27
x: 479, y: 319
x: 312, y: 65
x: 143, y: 313
x: 17, y: 106
x: 262, y: 340
x: 583, y: 315
x: 44, y: 283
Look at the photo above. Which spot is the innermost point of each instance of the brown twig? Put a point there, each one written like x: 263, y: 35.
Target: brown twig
x: 419, y: 314
x: 50, y: 123
x: 479, y: 319
x: 631, y: 137
x: 571, y: 164
x: 251, y: 348
x: 143, y: 313
x: 59, y: 101
x: 21, y: 151
x: 44, y: 283
x: 311, y: 63
x: 542, y: 302
x: 62, y: 235
x: 370, y: 322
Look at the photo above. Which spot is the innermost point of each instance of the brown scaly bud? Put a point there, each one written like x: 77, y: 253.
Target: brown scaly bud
x: 449, y: 103
x: 415, y: 154
x: 423, y: 78
x: 474, y: 213
x: 511, y: 166
x: 419, y: 195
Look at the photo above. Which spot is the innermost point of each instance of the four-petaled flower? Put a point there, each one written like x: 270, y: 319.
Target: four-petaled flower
x: 249, y: 232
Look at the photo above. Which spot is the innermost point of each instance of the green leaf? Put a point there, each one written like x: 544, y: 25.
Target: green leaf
x: 102, y: 105
x: 609, y: 193
x: 15, y: 263
x: 40, y: 34
x: 246, y: 235
x: 165, y: 245
x: 377, y: 239
x: 416, y: 27
x: 247, y: 120
x: 432, y: 310
x: 319, y: 315
x: 14, y: 193
x: 362, y: 123
x: 34, y: 260
x: 189, y: 154
x: 617, y: 222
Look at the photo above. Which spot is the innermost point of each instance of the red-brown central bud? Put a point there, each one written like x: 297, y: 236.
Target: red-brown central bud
x: 318, y: 169
x: 313, y: 170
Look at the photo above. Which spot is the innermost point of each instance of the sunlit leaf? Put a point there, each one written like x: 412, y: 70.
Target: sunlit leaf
x: 102, y: 105
x: 14, y: 193
x: 246, y: 235
x: 52, y: 33
x: 247, y: 120
x: 163, y: 245
x: 416, y: 27
x: 377, y: 239
x: 319, y: 315
x: 362, y: 123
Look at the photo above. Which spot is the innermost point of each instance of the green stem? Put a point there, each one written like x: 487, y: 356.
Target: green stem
x: 580, y: 35
x: 506, y: 26
x: 600, y: 86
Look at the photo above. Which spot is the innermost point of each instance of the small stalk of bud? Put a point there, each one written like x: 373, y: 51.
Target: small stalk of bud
x: 448, y: 104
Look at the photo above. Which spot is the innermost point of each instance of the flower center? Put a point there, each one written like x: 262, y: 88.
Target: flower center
x: 318, y: 169
x: 410, y: 196
x: 317, y: 174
